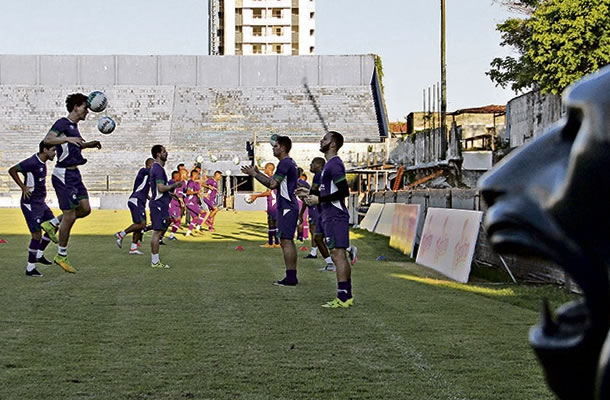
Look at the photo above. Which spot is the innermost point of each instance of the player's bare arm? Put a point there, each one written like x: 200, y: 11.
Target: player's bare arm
x: 259, y: 176
x: 166, y: 188
x: 14, y: 174
x: 92, y: 144
x: 55, y: 139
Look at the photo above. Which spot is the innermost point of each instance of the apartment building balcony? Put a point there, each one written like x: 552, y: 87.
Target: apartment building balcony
x: 275, y: 39
x: 267, y: 3
x: 248, y: 19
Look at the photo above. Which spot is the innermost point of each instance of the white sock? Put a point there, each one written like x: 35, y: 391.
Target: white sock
x: 39, y: 253
x: 55, y: 222
x: 155, y: 258
x: 349, y: 249
x: 328, y: 260
x: 62, y: 251
x: 314, y: 251
x: 122, y: 234
x: 30, y: 267
x: 171, y: 235
x: 134, y: 246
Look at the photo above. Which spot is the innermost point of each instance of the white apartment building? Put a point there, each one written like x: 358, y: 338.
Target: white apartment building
x: 249, y: 27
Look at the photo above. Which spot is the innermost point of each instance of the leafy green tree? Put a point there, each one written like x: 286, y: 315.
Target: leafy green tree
x: 559, y: 42
x: 570, y: 39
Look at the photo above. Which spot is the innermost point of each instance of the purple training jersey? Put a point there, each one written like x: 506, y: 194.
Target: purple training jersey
x: 68, y: 154
x: 272, y: 201
x: 314, y: 211
x: 213, y: 192
x: 286, y: 175
x: 193, y: 186
x: 35, y: 173
x: 141, y: 185
x: 333, y: 173
x: 158, y: 175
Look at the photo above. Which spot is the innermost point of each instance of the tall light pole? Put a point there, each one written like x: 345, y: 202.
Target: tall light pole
x: 443, y: 86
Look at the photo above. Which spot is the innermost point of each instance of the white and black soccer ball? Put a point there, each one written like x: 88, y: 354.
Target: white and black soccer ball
x: 273, y: 139
x: 213, y: 158
x: 106, y: 125
x: 97, y: 101
x: 199, y: 159
x: 236, y: 160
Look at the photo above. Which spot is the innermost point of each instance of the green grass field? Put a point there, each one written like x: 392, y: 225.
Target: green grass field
x: 214, y: 327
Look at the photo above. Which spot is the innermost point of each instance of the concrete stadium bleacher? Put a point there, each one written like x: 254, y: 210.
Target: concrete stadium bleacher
x: 195, y: 105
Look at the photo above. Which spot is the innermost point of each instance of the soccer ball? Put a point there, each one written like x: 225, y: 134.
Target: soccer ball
x: 236, y: 160
x: 97, y: 101
x: 228, y: 172
x: 249, y: 199
x: 199, y: 159
x: 273, y: 139
x: 213, y: 158
x: 106, y: 125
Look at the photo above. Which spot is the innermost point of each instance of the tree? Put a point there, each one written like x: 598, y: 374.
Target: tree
x: 570, y: 39
x: 560, y: 42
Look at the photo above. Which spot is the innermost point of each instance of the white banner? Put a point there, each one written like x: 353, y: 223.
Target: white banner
x: 448, y: 241
x: 369, y: 222
x: 384, y: 226
x: 404, y: 228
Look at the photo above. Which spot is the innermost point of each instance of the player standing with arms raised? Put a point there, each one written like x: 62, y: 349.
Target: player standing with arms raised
x: 271, y: 195
x: 285, y: 181
x: 159, y: 202
x: 335, y: 217
x: 137, y: 207
x: 71, y: 193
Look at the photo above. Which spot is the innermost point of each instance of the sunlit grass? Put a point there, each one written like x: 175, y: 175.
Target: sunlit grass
x: 457, y: 285
x: 213, y: 326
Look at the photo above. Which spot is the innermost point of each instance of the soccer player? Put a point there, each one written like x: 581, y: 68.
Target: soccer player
x: 176, y: 205
x: 159, y: 202
x: 67, y: 181
x: 303, y: 223
x: 137, y: 207
x: 315, y: 226
x: 335, y: 217
x: 273, y: 241
x: 193, y: 189
x: 210, y: 200
x: 285, y: 180
x: 33, y: 206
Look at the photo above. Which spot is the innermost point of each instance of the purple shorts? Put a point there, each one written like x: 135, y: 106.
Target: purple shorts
x: 137, y: 207
x: 159, y: 215
x: 336, y: 233
x: 35, y: 214
x: 193, y: 209
x: 69, y: 187
x: 175, y: 212
x: 287, y: 223
x: 319, y: 226
x: 210, y: 203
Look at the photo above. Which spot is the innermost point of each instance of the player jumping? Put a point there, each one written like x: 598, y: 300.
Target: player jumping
x: 71, y: 192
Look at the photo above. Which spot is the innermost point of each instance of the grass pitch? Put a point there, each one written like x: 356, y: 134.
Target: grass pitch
x: 213, y: 326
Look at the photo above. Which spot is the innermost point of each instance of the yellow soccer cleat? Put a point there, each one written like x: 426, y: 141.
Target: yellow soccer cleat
x: 267, y: 246
x: 64, y: 263
x: 337, y: 303
x: 159, y: 265
x: 50, y: 230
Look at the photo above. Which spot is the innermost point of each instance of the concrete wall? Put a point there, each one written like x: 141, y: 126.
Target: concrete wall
x: 213, y: 71
x: 528, y: 116
x: 423, y: 149
x: 195, y: 105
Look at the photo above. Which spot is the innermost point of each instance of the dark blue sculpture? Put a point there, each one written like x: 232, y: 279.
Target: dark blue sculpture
x: 551, y: 199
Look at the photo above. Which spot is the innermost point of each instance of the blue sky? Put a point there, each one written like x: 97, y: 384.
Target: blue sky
x: 405, y: 33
